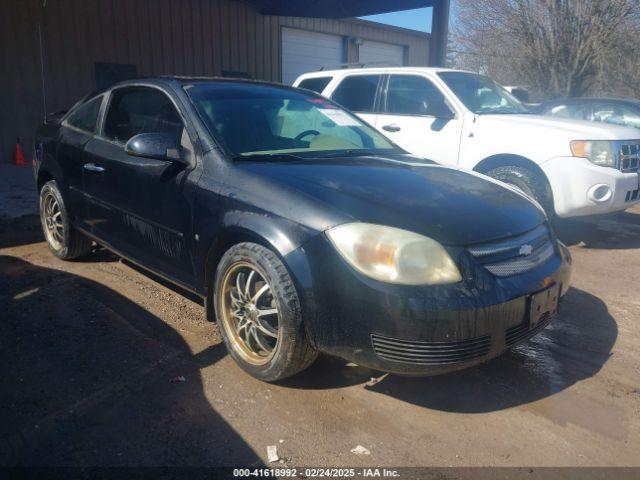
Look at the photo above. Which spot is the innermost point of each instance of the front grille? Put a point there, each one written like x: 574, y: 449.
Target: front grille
x: 520, y: 333
x: 629, y: 159
x: 515, y: 255
x: 430, y: 353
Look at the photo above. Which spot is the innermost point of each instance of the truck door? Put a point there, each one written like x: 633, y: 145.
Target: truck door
x: 416, y: 116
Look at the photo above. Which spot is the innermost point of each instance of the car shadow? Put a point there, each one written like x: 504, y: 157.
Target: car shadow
x: 615, y: 231
x: 329, y: 372
x: 572, y: 348
x: 92, y: 379
x: 24, y: 230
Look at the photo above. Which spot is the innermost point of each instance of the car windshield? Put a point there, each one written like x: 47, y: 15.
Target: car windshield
x: 264, y: 121
x: 482, y: 95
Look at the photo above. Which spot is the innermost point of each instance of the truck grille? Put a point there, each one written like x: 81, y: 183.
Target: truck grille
x: 515, y: 255
x: 430, y: 353
x: 629, y: 157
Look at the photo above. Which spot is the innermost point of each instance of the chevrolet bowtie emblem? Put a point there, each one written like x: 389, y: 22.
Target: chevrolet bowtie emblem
x: 526, y: 250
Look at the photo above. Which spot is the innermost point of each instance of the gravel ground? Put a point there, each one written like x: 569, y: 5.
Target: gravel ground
x: 92, y: 354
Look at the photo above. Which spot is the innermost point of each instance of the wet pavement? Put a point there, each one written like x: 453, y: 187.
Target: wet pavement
x: 91, y: 352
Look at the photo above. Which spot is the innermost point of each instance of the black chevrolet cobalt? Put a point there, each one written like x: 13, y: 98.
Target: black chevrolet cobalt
x: 303, y: 228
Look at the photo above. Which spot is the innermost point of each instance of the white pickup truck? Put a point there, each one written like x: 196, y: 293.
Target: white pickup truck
x: 570, y: 167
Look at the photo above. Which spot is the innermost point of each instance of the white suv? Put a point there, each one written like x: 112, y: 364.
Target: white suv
x: 460, y: 118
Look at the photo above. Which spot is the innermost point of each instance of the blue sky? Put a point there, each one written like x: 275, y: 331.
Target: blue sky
x: 418, y: 19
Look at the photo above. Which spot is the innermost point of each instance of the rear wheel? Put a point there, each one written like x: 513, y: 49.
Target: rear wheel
x: 529, y: 182
x: 64, y: 241
x: 259, y: 315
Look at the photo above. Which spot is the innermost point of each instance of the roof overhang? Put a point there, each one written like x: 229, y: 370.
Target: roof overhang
x: 335, y: 8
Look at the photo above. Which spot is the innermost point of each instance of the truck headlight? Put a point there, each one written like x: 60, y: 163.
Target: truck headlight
x: 598, y: 152
x: 393, y: 255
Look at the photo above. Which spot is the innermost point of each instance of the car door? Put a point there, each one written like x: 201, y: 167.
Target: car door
x: 416, y: 116
x: 138, y: 205
x: 360, y: 94
x: 76, y: 130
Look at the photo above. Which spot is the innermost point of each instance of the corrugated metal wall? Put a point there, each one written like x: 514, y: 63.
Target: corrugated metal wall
x: 182, y: 37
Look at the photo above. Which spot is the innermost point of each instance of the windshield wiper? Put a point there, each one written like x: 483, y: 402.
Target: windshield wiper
x: 274, y: 157
x: 353, y: 153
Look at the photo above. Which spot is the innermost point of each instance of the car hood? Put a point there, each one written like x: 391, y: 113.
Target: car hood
x: 575, y: 129
x: 449, y: 205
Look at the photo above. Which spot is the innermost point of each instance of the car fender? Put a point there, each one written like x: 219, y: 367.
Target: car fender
x: 279, y: 234
x: 48, y: 168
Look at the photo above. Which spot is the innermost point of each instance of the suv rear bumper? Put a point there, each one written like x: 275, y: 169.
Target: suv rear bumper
x: 574, y: 182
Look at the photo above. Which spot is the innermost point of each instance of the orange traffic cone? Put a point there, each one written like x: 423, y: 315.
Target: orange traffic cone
x: 18, y: 155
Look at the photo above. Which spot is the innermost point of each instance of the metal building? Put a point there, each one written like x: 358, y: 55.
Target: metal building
x: 55, y: 51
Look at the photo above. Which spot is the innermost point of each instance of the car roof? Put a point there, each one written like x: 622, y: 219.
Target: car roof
x: 324, y: 73
x: 167, y: 80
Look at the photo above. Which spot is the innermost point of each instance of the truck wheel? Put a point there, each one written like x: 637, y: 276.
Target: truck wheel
x: 258, y: 311
x: 64, y: 241
x: 531, y: 183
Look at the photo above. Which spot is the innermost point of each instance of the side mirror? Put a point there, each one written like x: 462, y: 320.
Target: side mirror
x: 161, y: 146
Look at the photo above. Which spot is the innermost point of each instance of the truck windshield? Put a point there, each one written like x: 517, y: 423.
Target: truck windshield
x: 264, y: 121
x: 480, y: 94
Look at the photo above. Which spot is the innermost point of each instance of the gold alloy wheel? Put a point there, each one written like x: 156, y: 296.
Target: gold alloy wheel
x: 250, y: 314
x: 52, y: 220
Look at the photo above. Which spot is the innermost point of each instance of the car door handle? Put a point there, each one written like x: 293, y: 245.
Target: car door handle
x: 391, y: 128
x: 92, y: 167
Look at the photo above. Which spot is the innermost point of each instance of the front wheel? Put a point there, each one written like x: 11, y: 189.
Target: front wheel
x: 259, y: 315
x: 529, y: 182
x: 64, y: 241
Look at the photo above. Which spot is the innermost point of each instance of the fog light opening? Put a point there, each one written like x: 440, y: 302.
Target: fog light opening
x: 600, y: 193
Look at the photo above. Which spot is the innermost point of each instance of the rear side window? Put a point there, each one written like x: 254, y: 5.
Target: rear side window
x: 413, y: 95
x: 357, y: 92
x: 141, y: 110
x: 85, y: 117
x: 316, y: 84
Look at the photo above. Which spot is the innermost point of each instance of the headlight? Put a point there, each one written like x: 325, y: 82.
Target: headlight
x: 392, y: 255
x: 599, y: 152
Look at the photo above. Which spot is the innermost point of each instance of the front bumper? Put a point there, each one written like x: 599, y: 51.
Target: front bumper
x: 350, y: 316
x: 573, y: 181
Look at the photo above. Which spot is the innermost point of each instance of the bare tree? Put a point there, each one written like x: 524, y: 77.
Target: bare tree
x: 557, y: 47
x: 619, y: 72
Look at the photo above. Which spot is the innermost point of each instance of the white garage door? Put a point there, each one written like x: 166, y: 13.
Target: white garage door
x: 378, y: 52
x: 304, y: 51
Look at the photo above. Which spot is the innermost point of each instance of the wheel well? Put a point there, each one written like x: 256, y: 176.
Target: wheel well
x: 43, y: 177
x: 224, y: 243
x: 217, y: 249
x: 504, y: 160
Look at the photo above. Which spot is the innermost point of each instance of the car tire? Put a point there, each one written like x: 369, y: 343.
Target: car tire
x: 529, y: 182
x: 64, y: 241
x: 253, y: 307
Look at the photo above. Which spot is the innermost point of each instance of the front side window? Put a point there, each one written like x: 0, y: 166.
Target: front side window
x: 357, y: 92
x: 480, y: 94
x: 572, y: 110
x: 141, y: 110
x: 85, y: 117
x: 414, y: 95
x: 616, y: 113
x: 265, y: 120
x: 316, y: 84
